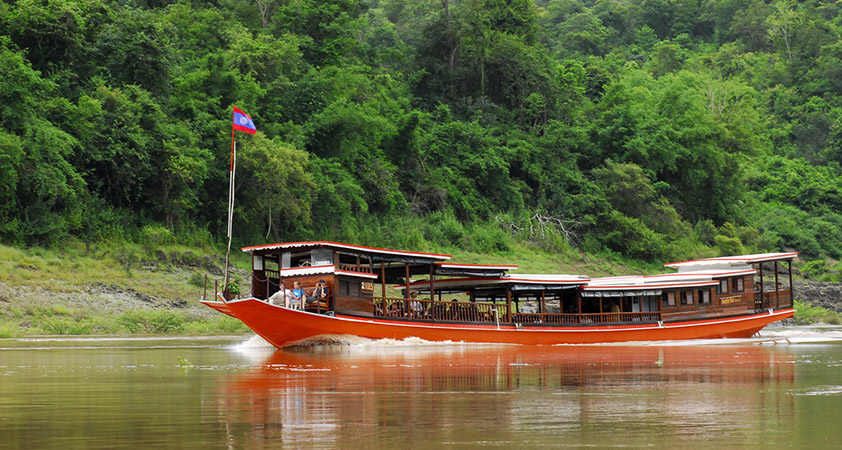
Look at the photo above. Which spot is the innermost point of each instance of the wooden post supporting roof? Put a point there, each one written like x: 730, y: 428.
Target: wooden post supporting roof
x: 406, y: 291
x: 432, y: 282
x: 777, y: 287
x: 508, y: 303
x: 762, y: 288
x: 383, y: 279
x: 791, y: 290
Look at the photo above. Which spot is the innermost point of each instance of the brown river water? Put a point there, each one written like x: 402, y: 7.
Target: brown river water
x: 781, y: 390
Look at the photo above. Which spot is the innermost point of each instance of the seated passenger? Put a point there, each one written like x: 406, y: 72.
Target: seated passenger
x: 320, y: 293
x: 297, y: 293
x: 281, y: 297
x: 614, y: 308
x: 396, y: 309
x: 415, y: 306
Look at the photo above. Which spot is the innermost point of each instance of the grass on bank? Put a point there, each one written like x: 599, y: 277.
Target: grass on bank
x: 141, y: 321
x: 44, y: 287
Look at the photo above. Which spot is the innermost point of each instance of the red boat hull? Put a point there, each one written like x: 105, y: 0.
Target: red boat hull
x: 282, y: 327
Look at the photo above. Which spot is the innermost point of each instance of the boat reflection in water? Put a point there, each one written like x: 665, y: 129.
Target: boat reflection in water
x: 432, y: 395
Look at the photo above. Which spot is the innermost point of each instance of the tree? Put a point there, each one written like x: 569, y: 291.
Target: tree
x: 275, y: 189
x: 783, y: 23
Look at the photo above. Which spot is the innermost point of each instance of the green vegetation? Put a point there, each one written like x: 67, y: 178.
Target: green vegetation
x: 64, y: 291
x: 807, y: 314
x: 570, y: 135
x: 656, y: 130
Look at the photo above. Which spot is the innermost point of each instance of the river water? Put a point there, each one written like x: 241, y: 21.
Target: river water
x: 781, y: 390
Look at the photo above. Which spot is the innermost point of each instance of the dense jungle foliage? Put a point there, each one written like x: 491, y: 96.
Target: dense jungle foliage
x: 653, y: 129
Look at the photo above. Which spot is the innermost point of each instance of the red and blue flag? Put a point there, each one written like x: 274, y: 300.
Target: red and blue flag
x: 242, y: 122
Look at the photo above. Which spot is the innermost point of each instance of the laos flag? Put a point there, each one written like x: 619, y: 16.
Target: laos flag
x: 242, y: 122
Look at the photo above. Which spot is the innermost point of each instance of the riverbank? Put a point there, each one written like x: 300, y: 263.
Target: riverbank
x: 78, y: 291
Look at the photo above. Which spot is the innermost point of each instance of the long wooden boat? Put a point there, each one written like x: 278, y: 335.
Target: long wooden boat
x: 731, y: 297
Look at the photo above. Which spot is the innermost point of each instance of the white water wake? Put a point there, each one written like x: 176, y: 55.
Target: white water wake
x: 770, y: 336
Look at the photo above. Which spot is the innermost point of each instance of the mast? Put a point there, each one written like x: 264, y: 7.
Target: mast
x: 230, y: 213
x: 242, y: 122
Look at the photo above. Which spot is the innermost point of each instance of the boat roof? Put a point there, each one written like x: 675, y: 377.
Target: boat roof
x: 534, y: 281
x: 324, y: 270
x: 663, y: 281
x: 473, y: 270
x: 729, y: 262
x: 384, y: 254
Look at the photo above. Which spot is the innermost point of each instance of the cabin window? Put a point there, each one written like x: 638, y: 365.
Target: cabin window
x: 722, y: 288
x: 704, y: 296
x: 349, y: 288
x: 686, y: 297
x: 737, y: 285
x: 669, y: 298
x: 321, y: 257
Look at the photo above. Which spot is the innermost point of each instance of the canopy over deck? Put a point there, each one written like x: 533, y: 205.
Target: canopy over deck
x: 729, y: 262
x: 655, y: 284
x: 516, y: 282
x: 371, y: 253
x: 393, y: 264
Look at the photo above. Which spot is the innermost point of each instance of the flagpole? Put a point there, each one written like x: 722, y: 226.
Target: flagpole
x: 244, y: 124
x: 225, y: 290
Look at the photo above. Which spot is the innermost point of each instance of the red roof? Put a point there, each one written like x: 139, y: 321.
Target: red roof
x: 337, y: 245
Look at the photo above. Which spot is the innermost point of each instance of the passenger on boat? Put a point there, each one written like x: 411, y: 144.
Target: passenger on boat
x: 396, y: 309
x: 320, y: 293
x: 297, y: 293
x: 438, y: 311
x: 614, y: 308
x: 416, y: 307
x: 281, y: 297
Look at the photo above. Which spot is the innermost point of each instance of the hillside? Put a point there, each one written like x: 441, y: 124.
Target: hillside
x: 632, y: 131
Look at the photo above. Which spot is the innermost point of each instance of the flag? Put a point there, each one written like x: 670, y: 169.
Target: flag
x: 242, y: 122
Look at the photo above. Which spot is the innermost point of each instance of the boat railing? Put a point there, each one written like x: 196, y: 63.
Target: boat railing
x: 354, y: 268
x: 434, y: 310
x: 598, y: 318
x: 484, y: 312
x: 270, y: 273
x: 775, y: 299
x: 652, y: 316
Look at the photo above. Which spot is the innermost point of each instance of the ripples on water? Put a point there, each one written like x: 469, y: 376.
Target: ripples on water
x: 781, y: 389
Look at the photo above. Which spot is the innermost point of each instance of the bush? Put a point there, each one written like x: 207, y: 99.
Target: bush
x: 807, y: 314
x: 814, y: 269
x: 155, y: 235
x: 197, y: 279
x: 7, y: 331
x: 487, y: 237
x: 151, y: 321
x: 65, y: 325
x: 729, y: 245
x: 629, y: 237
x: 217, y: 325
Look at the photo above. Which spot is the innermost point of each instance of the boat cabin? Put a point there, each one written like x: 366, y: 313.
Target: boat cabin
x: 759, y: 281
x: 520, y: 299
x: 357, y: 277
